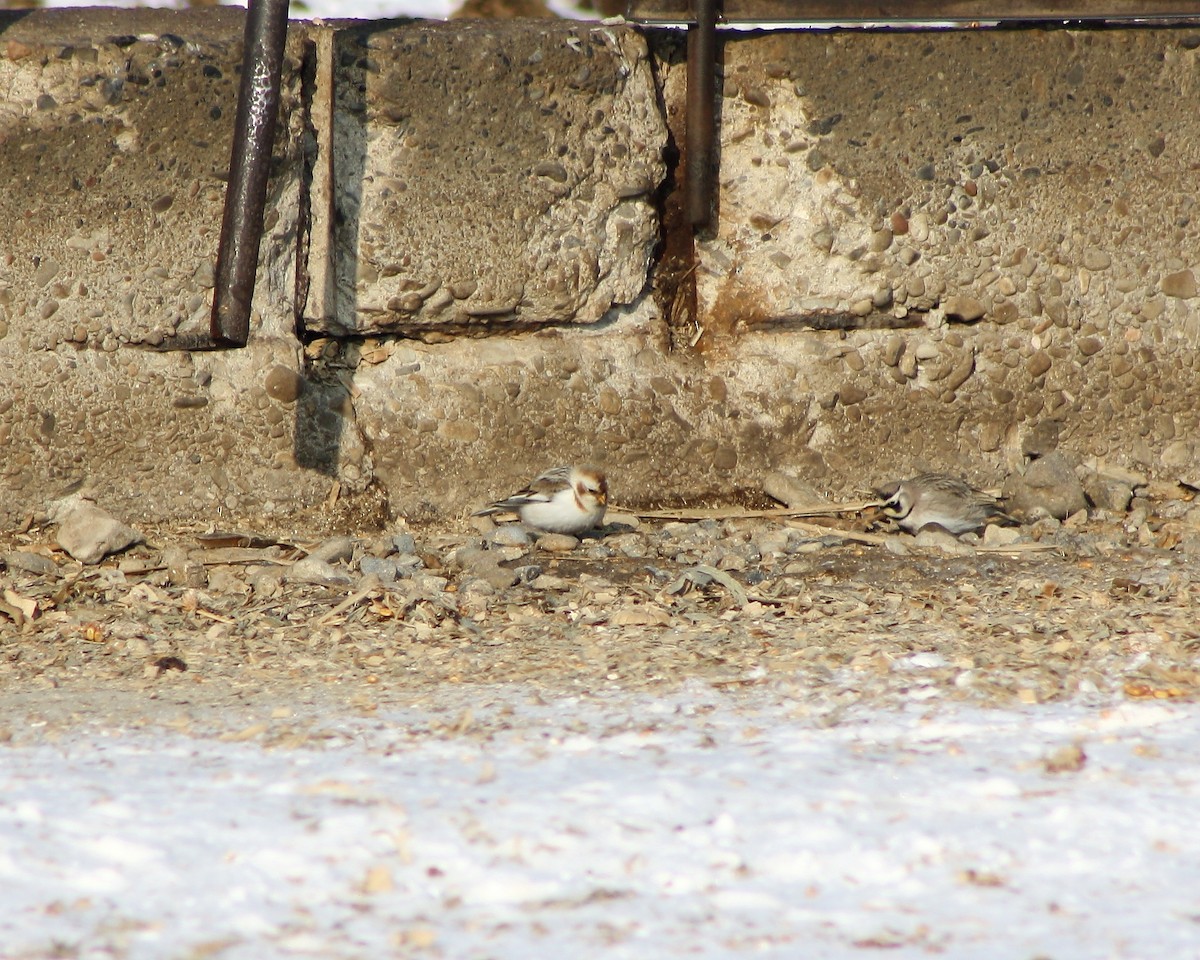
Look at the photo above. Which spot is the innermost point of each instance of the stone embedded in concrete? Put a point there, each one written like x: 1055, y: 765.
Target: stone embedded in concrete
x: 1181, y: 284
x: 489, y: 175
x: 963, y: 309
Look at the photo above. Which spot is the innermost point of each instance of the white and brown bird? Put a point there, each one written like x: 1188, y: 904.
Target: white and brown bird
x: 937, y: 498
x: 562, y: 500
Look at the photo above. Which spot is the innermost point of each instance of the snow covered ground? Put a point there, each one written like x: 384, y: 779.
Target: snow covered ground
x: 706, y: 824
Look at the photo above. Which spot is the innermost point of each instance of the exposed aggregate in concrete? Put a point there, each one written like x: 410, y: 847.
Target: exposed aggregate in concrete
x: 932, y: 251
x: 491, y: 178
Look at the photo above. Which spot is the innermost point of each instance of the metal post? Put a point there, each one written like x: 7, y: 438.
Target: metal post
x: 249, y: 168
x: 701, y: 128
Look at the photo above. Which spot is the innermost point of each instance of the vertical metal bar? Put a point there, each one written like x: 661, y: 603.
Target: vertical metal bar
x: 701, y: 129
x: 249, y: 167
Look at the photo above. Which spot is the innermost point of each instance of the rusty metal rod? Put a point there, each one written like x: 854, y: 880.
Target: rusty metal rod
x: 249, y: 168
x: 916, y: 14
x: 700, y: 136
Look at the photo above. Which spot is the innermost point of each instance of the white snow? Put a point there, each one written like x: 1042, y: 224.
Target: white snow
x: 707, y: 824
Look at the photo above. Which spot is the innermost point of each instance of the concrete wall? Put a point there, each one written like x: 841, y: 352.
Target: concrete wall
x: 931, y: 250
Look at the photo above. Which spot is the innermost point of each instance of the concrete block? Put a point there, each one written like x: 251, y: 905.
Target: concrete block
x: 486, y: 176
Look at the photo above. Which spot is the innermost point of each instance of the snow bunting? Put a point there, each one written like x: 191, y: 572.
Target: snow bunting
x: 563, y: 500
x: 936, y: 498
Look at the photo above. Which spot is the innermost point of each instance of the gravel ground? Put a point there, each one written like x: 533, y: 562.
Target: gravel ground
x: 1100, y: 608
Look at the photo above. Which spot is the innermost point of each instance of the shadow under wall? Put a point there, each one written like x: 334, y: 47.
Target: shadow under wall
x: 323, y: 410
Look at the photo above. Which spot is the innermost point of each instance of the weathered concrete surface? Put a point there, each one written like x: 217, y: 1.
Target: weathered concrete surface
x: 1000, y: 226
x: 932, y: 251
x: 115, y: 149
x: 486, y: 177
x: 115, y: 141
x: 930, y: 248
x: 455, y: 426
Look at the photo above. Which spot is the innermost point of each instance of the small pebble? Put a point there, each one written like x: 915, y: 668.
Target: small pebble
x: 510, y: 535
x: 315, y: 570
x: 385, y: 568
x: 333, y: 550
x: 557, y: 542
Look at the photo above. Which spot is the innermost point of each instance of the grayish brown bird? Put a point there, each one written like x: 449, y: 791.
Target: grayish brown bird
x: 937, y: 498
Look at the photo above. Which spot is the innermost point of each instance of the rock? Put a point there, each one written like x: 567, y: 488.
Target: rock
x: 1181, y: 285
x: 510, y: 535
x: 485, y: 565
x: 995, y: 535
x: 557, y: 542
x: 469, y: 558
x: 618, y: 520
x: 407, y: 564
x: 404, y: 544
x: 1038, y: 364
x: 29, y: 562
x: 225, y: 581
x: 850, y: 394
x: 333, y: 550
x: 1178, y: 454
x: 87, y: 532
x: 1108, y: 494
x: 313, y: 569
x: 1112, y: 471
x: 471, y: 587
x: 1042, y: 440
x: 528, y: 572
x: 266, y: 583
x: 1049, y: 484
x: 789, y: 490
x: 941, y: 539
x: 483, y: 525
x: 284, y: 384
x: 961, y: 309
x: 772, y: 540
x: 1077, y: 520
x: 498, y: 577
x: 384, y: 569
x: 183, y: 570
x: 427, y: 585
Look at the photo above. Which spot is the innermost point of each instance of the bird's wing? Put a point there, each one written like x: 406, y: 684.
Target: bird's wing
x: 540, y: 490
x: 944, y: 483
x: 547, y: 484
